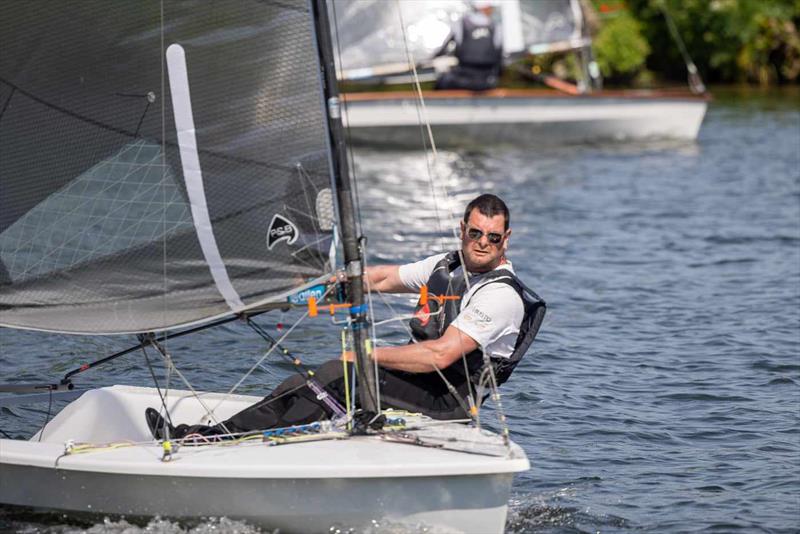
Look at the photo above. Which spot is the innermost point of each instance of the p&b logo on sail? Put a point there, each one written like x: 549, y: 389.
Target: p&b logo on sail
x: 281, y: 229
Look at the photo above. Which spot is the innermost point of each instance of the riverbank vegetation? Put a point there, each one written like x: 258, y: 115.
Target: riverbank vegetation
x: 730, y: 41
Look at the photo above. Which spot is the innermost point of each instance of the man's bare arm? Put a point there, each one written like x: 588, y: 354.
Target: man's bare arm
x: 386, y: 279
x: 427, y: 356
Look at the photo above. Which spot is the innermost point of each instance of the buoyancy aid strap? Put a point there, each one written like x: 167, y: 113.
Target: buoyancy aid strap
x: 440, y: 282
x: 534, y: 312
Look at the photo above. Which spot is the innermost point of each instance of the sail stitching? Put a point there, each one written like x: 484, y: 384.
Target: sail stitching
x: 41, y: 228
x: 78, y: 236
x: 132, y: 134
x: 306, y: 180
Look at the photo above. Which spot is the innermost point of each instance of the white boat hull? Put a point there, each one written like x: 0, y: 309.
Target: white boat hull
x: 523, y: 118
x: 299, y: 505
x: 300, y: 487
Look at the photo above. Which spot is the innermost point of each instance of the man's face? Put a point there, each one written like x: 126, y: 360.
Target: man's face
x: 483, y: 241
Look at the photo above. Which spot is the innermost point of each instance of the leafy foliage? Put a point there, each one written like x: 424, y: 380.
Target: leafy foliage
x: 620, y: 48
x: 729, y: 40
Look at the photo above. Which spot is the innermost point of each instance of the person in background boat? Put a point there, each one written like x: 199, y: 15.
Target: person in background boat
x: 487, y: 312
x: 478, y: 48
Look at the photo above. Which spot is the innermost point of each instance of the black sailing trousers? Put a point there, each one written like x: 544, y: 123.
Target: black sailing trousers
x: 294, y: 403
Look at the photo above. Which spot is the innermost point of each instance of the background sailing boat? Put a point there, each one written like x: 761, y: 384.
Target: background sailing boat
x: 400, y: 39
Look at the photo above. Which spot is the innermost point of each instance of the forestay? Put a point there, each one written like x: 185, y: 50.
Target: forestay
x: 142, y: 190
x: 370, y: 39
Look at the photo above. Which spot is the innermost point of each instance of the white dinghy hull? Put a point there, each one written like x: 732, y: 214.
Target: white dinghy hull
x: 521, y: 118
x: 298, y: 487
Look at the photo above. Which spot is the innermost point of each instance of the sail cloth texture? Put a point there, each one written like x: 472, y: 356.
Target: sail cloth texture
x: 553, y: 26
x: 368, y: 34
x: 98, y: 232
x: 369, y: 38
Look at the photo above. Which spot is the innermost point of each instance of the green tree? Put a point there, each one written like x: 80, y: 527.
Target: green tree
x: 620, y: 48
x: 729, y: 40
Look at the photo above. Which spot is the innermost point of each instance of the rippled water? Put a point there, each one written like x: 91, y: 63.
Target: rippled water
x: 663, y: 392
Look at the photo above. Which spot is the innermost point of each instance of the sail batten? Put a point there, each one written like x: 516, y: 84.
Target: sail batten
x: 193, y: 175
x: 99, y: 205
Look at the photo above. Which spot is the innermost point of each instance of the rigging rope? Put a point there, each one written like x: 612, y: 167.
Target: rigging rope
x: 271, y: 349
x: 422, y: 118
x: 49, y: 409
x: 422, y: 114
x: 372, y: 332
x: 695, y: 81
x: 311, y: 382
x: 170, y: 366
x: 362, y: 240
x: 349, y: 144
x: 164, y: 204
x: 167, y: 419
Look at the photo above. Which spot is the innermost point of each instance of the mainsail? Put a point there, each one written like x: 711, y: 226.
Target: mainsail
x: 140, y: 193
x: 374, y: 37
x: 552, y: 26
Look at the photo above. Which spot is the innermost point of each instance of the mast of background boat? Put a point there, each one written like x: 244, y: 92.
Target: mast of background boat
x: 354, y: 264
x: 590, y: 72
x: 511, y: 20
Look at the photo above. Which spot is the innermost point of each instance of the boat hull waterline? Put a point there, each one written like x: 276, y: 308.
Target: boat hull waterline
x: 299, y: 487
x: 522, y: 118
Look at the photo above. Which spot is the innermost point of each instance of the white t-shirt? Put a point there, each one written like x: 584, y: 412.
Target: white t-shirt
x: 491, y: 317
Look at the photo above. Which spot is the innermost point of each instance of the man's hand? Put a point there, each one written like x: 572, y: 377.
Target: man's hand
x: 348, y: 356
x: 339, y: 277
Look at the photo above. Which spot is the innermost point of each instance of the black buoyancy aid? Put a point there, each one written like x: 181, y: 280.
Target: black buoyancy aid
x: 476, y: 47
x: 431, y: 320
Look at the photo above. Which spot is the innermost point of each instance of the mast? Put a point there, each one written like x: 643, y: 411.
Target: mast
x: 353, y: 259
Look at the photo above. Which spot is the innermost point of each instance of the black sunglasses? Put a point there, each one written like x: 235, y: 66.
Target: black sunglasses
x: 476, y: 235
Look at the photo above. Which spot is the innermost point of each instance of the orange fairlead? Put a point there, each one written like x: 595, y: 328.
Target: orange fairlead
x: 313, y: 307
x: 333, y: 307
x: 424, y: 296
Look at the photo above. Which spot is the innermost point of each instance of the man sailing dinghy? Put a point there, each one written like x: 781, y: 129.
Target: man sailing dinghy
x: 166, y: 168
x: 477, y: 310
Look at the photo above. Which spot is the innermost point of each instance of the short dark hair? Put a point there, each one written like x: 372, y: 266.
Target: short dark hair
x: 489, y: 205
